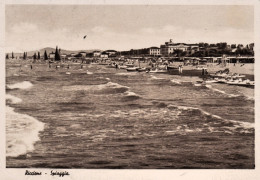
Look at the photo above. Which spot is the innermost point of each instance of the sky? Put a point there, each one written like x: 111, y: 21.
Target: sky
x: 124, y: 27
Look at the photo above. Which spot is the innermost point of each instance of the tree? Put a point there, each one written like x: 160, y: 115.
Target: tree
x: 57, y: 55
x: 201, y: 44
x: 45, y: 55
x: 7, y: 56
x: 24, y: 56
x: 206, y: 45
x: 12, y: 55
x: 34, y: 56
x: 178, y: 52
x: 240, y: 46
x: 39, y: 56
x: 233, y: 46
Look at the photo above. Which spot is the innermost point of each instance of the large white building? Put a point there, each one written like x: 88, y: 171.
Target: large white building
x: 96, y: 53
x: 169, y: 47
x: 154, y: 51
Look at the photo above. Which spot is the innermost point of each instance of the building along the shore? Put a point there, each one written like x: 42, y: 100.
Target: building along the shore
x: 52, y: 55
x: 96, y: 53
x: 111, y: 53
x: 154, y: 51
x: 169, y: 48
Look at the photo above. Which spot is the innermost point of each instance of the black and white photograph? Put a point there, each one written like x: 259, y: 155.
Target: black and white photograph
x: 139, y: 86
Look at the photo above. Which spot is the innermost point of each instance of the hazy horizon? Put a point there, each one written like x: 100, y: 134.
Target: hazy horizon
x: 124, y: 27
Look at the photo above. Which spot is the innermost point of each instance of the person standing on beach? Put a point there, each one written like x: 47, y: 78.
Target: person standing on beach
x: 31, y: 66
x: 180, y: 69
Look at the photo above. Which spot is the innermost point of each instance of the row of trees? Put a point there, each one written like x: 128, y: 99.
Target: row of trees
x: 38, y: 55
x: 7, y: 56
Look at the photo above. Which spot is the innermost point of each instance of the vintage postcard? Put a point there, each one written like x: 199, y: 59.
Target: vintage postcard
x: 148, y: 86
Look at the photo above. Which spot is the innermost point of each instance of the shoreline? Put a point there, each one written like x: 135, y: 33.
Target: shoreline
x: 240, y: 68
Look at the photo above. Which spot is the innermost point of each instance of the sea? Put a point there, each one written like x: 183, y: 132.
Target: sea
x: 97, y: 117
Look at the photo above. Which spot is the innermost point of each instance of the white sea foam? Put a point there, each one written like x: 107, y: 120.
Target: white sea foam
x: 250, y: 98
x: 237, y: 124
x: 197, y: 84
x: 130, y: 93
x: 22, y: 131
x: 154, y: 77
x: 88, y: 72
x: 21, y: 85
x: 246, y: 125
x: 222, y: 92
x: 175, y: 81
x: 170, y: 132
x: 94, y: 87
x: 127, y: 74
x: 13, y: 99
x: 186, y: 108
x: 217, y: 124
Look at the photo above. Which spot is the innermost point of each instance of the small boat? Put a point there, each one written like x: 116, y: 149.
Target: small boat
x: 141, y: 69
x: 210, y: 81
x: 158, y: 71
x: 221, y: 80
x: 221, y: 75
x: 131, y: 68
x: 171, y: 67
x: 246, y: 83
x: 130, y: 65
x: 68, y: 73
x: 122, y: 67
x: 237, y: 75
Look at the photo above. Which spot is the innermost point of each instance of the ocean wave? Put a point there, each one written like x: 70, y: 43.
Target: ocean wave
x: 222, y: 92
x: 250, y: 98
x: 127, y: 74
x: 109, y: 87
x: 21, y: 85
x: 197, y: 84
x: 88, y: 72
x: 13, y: 99
x: 22, y: 131
x: 156, y: 78
x: 175, y: 81
x: 171, y: 106
x: 129, y: 95
x: 211, y: 122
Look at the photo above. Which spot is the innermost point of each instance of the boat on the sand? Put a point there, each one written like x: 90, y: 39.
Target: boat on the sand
x: 141, y: 69
x: 220, y: 80
x: 132, y: 68
x: 157, y: 71
x: 246, y: 83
